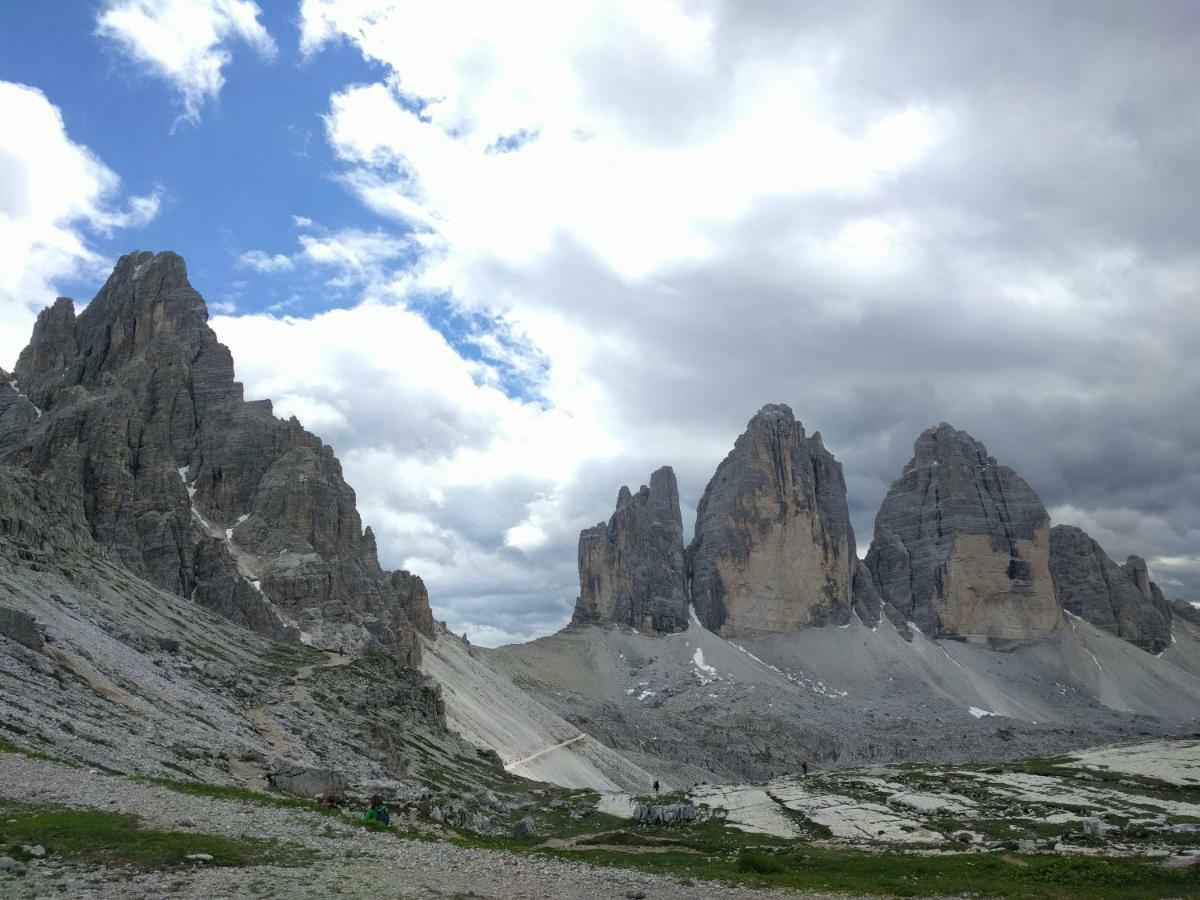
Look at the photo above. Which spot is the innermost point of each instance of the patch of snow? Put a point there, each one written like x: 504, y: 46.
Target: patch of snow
x: 644, y: 694
x: 306, y: 638
x: 13, y: 384
x: 630, y: 690
x: 816, y: 686
x: 705, y: 673
x: 913, y: 626
x: 240, y: 519
x: 980, y: 713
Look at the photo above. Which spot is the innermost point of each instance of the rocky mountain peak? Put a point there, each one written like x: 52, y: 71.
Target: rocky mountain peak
x: 1120, y: 599
x: 962, y: 544
x: 774, y: 549
x: 631, y: 570
x: 132, y: 411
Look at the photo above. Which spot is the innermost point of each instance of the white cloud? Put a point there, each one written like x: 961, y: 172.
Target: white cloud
x: 302, y: 222
x: 261, y: 261
x: 53, y: 194
x: 884, y: 215
x: 442, y: 460
x: 185, y: 42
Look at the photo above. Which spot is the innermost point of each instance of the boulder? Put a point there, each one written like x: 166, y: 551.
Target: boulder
x: 20, y: 627
x: 304, y: 782
x: 962, y: 546
x: 1120, y: 599
x: 11, y: 866
x: 665, y: 813
x: 525, y: 827
x: 773, y: 549
x: 631, y: 570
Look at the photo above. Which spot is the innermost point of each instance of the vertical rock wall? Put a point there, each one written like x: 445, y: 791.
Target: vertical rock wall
x: 631, y: 570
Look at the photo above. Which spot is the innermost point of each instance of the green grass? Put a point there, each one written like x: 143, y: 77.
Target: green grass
x: 985, y: 874
x: 116, y: 838
x: 278, y: 801
x: 759, y: 863
x: 9, y: 747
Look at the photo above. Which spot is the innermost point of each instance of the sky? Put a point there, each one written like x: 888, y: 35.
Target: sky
x: 505, y: 258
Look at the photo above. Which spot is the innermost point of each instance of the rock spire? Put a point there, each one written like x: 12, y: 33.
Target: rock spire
x: 1120, y: 599
x: 773, y: 549
x: 631, y: 570
x: 962, y: 545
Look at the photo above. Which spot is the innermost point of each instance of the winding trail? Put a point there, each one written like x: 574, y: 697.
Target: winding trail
x: 541, y: 753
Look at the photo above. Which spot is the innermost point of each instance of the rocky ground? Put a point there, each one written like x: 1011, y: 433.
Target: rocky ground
x: 349, y: 860
x: 750, y: 709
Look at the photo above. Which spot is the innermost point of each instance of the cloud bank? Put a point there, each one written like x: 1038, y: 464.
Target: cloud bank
x: 619, y: 233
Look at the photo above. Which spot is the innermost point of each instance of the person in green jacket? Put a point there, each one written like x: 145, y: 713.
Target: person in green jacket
x: 377, y: 812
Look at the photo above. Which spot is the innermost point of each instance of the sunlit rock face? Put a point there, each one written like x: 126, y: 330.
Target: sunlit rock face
x: 773, y: 549
x: 631, y: 570
x: 1120, y: 599
x: 129, y: 415
x: 962, y: 545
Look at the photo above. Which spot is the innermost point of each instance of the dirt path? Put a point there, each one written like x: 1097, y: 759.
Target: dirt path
x: 541, y: 753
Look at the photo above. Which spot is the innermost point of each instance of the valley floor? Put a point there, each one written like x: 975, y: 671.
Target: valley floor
x: 313, y: 855
x: 1011, y: 830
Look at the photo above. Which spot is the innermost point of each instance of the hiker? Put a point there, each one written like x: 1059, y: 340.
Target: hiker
x: 656, y: 787
x: 377, y: 812
x: 804, y: 767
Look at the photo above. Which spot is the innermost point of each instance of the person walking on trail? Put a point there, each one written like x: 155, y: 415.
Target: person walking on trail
x: 804, y: 767
x: 377, y: 812
x: 655, y: 787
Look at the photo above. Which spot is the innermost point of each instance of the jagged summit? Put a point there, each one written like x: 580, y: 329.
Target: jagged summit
x: 1120, y: 599
x: 774, y: 548
x: 962, y: 545
x: 131, y: 411
x: 631, y: 570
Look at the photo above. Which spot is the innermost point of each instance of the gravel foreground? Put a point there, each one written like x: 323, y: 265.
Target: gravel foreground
x: 351, y: 862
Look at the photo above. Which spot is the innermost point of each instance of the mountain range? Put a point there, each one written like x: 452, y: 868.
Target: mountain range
x: 186, y: 588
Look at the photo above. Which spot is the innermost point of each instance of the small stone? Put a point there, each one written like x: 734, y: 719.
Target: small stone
x: 11, y: 866
x: 635, y: 894
x: 34, y: 850
x: 200, y: 857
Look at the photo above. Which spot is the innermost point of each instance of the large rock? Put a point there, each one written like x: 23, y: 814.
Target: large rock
x: 131, y: 413
x: 962, y: 545
x: 300, y: 781
x: 1120, y: 599
x: 631, y: 571
x: 20, y: 627
x: 773, y: 549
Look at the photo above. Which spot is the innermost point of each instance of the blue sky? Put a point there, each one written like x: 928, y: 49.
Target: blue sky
x: 230, y: 182
x: 506, y: 258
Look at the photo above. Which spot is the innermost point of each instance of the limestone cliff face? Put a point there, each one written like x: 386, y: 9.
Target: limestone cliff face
x: 773, y: 549
x: 130, y: 412
x: 1120, y: 599
x: 631, y: 570
x: 962, y: 545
